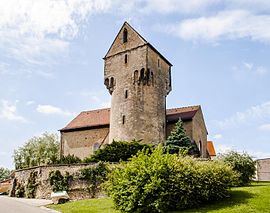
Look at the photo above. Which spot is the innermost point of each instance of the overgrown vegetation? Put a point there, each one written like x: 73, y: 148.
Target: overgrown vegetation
x: 96, y: 175
x: 37, y: 151
x: 162, y: 182
x: 4, y: 173
x: 69, y: 159
x: 31, y: 185
x: 179, y: 142
x: 118, y: 150
x: 59, y: 182
x: 241, y: 163
x: 19, y: 190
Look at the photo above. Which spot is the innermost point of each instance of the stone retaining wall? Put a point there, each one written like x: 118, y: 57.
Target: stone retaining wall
x: 77, y: 187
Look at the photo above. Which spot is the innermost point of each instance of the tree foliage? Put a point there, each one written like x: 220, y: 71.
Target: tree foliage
x: 37, y: 151
x: 59, y: 182
x: 118, y: 150
x: 241, y: 163
x: 69, y: 159
x: 178, y: 141
x: 166, y: 182
x: 4, y: 173
x: 95, y: 174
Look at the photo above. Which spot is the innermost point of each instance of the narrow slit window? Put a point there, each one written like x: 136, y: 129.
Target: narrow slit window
x: 158, y: 63
x: 126, y: 58
x: 123, y: 119
x: 126, y: 94
x: 125, y: 36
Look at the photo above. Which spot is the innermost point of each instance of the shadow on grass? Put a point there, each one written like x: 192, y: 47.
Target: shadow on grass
x: 236, y: 197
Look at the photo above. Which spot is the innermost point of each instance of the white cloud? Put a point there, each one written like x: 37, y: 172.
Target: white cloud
x: 264, y: 127
x: 250, y: 68
x: 250, y: 115
x: 231, y: 24
x: 28, y: 103
x: 52, y: 110
x: 8, y: 111
x: 171, y: 6
x: 217, y: 136
x: 31, y: 30
x: 222, y: 148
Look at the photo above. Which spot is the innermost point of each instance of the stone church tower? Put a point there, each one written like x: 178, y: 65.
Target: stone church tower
x: 139, y: 78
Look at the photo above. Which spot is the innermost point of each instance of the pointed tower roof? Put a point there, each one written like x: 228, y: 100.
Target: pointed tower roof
x: 136, y: 41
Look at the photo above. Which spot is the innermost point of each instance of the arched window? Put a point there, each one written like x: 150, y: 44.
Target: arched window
x: 112, y: 82
x: 125, y: 36
x: 95, y: 147
x: 106, y: 82
x: 142, y: 74
x: 135, y: 76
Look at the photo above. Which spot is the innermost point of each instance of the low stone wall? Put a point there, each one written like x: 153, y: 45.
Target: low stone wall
x: 77, y: 187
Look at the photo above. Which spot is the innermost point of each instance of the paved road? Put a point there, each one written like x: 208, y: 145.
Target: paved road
x: 20, y: 205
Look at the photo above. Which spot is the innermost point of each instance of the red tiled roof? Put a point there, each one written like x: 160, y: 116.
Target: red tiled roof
x: 101, y: 117
x: 91, y: 118
x: 210, y: 148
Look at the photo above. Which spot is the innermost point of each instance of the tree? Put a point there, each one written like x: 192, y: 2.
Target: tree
x: 37, y: 151
x: 241, y: 163
x: 4, y: 173
x: 178, y: 141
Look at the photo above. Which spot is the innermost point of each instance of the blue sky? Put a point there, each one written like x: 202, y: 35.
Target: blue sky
x: 51, y: 65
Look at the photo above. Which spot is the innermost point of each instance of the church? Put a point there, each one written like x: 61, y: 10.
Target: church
x: 138, y: 79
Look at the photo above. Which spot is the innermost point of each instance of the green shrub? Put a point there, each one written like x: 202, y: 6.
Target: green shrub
x: 117, y: 150
x: 179, y: 142
x: 59, y: 182
x: 19, y: 190
x: 31, y: 185
x: 69, y: 159
x: 95, y: 175
x: 164, y: 182
x: 241, y: 163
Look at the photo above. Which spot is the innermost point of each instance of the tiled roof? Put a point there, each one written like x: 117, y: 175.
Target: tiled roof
x: 185, y: 113
x: 210, y: 148
x: 101, y: 117
x: 91, y: 118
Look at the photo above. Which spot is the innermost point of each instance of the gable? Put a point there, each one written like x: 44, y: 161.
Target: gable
x: 134, y: 39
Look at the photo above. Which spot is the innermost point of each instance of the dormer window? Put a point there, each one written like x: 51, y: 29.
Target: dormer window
x: 125, y: 36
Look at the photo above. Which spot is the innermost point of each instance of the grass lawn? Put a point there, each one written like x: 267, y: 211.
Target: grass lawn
x: 254, y: 198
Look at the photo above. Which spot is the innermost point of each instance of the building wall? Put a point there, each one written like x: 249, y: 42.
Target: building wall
x: 82, y: 143
x: 200, y: 133
x: 141, y: 113
x: 196, y: 131
x: 263, y: 169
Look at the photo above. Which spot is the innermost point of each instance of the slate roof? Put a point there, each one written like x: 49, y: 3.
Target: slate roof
x: 211, y: 148
x: 101, y: 117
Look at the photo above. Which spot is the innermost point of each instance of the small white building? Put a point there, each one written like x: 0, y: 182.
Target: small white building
x: 263, y: 169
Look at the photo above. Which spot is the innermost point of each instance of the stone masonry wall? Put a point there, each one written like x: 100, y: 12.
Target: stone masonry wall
x: 77, y: 187
x: 138, y: 102
x: 82, y: 143
x: 263, y: 169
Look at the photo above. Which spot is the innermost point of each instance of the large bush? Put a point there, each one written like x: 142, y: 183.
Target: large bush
x: 160, y: 182
x: 117, y: 150
x: 241, y: 163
